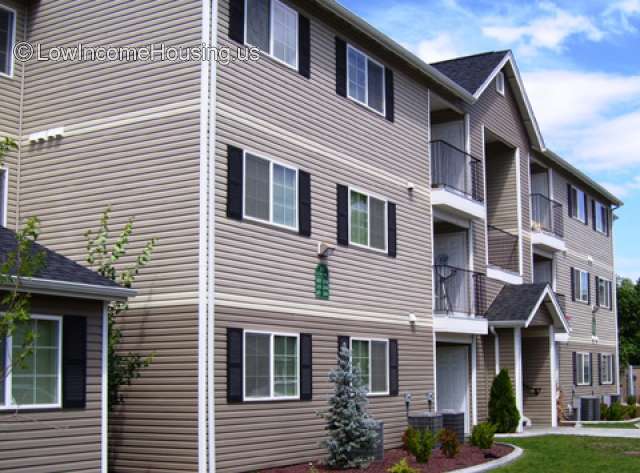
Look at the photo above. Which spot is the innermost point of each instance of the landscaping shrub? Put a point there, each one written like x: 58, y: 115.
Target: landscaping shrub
x: 616, y: 412
x: 503, y: 412
x: 632, y: 400
x: 421, y: 443
x: 631, y: 411
x: 405, y: 438
x: 604, y: 411
x: 402, y: 467
x: 482, y: 435
x: 449, y: 443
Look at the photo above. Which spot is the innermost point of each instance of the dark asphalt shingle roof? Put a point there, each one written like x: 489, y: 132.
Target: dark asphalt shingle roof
x: 515, y: 302
x: 471, y: 72
x: 56, y: 267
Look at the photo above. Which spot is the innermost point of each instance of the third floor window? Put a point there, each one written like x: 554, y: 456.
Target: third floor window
x: 272, y: 26
x: 365, y: 80
x: 577, y: 204
x: 7, y: 38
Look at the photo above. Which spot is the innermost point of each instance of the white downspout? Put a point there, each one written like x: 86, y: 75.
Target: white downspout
x: 554, y: 389
x: 496, y: 348
x: 517, y: 341
x: 104, y: 432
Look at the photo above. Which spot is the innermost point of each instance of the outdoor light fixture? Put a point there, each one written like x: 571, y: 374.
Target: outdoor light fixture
x: 325, y: 249
x: 412, y: 318
x: 407, y: 402
x: 410, y: 186
x: 429, y: 400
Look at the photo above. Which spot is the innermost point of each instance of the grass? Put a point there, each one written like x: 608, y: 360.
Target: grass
x: 611, y: 425
x: 555, y: 453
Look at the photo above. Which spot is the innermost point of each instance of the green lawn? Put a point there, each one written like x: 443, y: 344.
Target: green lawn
x: 611, y: 425
x: 564, y: 454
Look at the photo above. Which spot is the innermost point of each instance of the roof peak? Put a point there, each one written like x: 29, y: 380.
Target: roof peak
x: 469, y: 56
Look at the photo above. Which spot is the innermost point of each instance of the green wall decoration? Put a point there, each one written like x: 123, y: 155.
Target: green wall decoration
x: 322, y: 282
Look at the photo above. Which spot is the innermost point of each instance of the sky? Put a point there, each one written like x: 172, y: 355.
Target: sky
x: 580, y: 62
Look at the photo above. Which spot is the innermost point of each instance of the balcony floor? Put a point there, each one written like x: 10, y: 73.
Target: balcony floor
x: 548, y: 241
x: 457, y: 204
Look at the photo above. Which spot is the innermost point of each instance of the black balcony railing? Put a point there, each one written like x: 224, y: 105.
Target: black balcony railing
x: 455, y: 170
x: 546, y: 215
x: 503, y: 249
x: 459, y: 291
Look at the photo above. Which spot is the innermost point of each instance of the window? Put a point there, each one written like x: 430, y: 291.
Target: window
x: 272, y: 26
x: 371, y: 357
x: 581, y: 285
x: 7, y: 39
x: 271, y: 368
x: 600, y: 217
x: 500, y: 83
x: 606, y: 366
x: 578, y: 201
x: 368, y: 221
x: 365, y: 79
x: 583, y: 369
x: 35, y: 381
x: 604, y: 293
x: 270, y: 192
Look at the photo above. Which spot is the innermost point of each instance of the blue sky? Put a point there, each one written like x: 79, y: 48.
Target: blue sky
x: 580, y: 62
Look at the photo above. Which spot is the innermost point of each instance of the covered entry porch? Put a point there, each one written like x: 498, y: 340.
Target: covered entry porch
x: 524, y: 320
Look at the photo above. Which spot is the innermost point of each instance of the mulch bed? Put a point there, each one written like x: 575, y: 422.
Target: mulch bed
x: 438, y: 463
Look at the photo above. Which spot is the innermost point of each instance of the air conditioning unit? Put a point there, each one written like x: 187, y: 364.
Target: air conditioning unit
x: 589, y: 408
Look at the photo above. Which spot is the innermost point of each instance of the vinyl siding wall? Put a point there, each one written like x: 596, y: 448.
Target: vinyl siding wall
x: 132, y: 142
x: 536, y: 374
x: 61, y: 439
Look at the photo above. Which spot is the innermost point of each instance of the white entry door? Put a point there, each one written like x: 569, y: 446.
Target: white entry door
x: 452, y: 378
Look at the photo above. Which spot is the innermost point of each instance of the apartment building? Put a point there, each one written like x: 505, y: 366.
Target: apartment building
x: 337, y: 190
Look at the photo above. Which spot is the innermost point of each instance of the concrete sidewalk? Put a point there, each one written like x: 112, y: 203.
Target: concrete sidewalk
x: 577, y: 431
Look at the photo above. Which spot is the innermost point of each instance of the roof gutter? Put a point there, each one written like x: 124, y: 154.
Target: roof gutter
x: 71, y: 289
x: 399, y: 50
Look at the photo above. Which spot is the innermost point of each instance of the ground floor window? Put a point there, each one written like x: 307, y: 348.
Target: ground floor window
x: 371, y: 357
x: 583, y: 369
x: 32, y: 377
x: 271, y: 366
x: 606, y: 367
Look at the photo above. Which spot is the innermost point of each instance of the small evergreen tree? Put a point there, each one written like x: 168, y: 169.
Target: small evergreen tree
x: 503, y: 412
x: 351, y: 431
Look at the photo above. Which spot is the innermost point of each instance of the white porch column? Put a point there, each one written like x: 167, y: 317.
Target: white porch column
x: 554, y: 381
x: 517, y: 343
x: 474, y: 381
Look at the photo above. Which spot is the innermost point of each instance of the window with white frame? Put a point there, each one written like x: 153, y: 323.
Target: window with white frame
x: 578, y: 204
x: 271, y: 366
x: 600, y: 217
x: 581, y: 285
x: 34, y: 380
x: 272, y: 26
x: 270, y: 191
x: 583, y: 369
x: 365, y: 78
x: 500, y: 83
x: 371, y: 358
x: 7, y: 39
x: 368, y: 220
x: 604, y: 293
x: 606, y: 366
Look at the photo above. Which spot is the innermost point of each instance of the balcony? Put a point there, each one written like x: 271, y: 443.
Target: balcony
x: 547, y: 223
x: 504, y: 255
x: 456, y: 179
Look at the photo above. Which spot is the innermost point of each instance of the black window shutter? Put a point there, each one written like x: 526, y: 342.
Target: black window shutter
x: 607, y: 215
x: 586, y: 209
x: 573, y: 284
x: 394, y: 368
x: 74, y: 362
x: 304, y: 46
x: 591, y: 367
x: 614, y: 370
x: 599, y: 368
x: 343, y: 341
x: 234, y: 182
x: 306, y: 367
x: 575, y: 368
x: 570, y: 200
x: 391, y: 229
x: 598, y: 291
x: 390, y: 106
x: 304, y: 203
x: 341, y: 67
x: 236, y: 20
x: 235, y: 382
x: 610, y: 289
x: 343, y: 215
x: 588, y: 288
x: 593, y: 212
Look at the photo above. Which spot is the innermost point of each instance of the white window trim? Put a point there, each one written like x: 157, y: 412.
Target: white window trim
x: 500, y: 83
x: 386, y: 221
x: 271, y: 162
x: 271, y: 396
x: 607, y: 292
x: 270, y: 52
x: 578, y: 290
x: 8, y: 385
x: 386, y: 368
x: 609, y: 367
x: 599, y: 206
x: 366, y: 82
x: 580, y: 374
x: 586, y: 209
x: 11, y: 43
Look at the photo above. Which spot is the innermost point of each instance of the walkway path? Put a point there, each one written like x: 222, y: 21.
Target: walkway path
x: 578, y: 431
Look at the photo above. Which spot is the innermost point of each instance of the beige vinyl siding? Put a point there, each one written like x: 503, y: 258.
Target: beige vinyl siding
x: 286, y: 432
x: 486, y: 372
x: 536, y: 374
x: 507, y: 353
x: 60, y: 439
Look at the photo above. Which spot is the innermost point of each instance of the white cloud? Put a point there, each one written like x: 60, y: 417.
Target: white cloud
x: 619, y: 14
x: 549, y: 30
x: 439, y: 48
x: 624, y: 188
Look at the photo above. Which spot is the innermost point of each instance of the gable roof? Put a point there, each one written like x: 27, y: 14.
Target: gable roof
x: 471, y: 72
x: 516, y: 306
x: 63, y: 276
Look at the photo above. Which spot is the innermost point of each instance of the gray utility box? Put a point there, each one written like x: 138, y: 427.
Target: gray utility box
x: 589, y: 408
x: 454, y: 421
x: 426, y: 421
x: 377, y: 450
